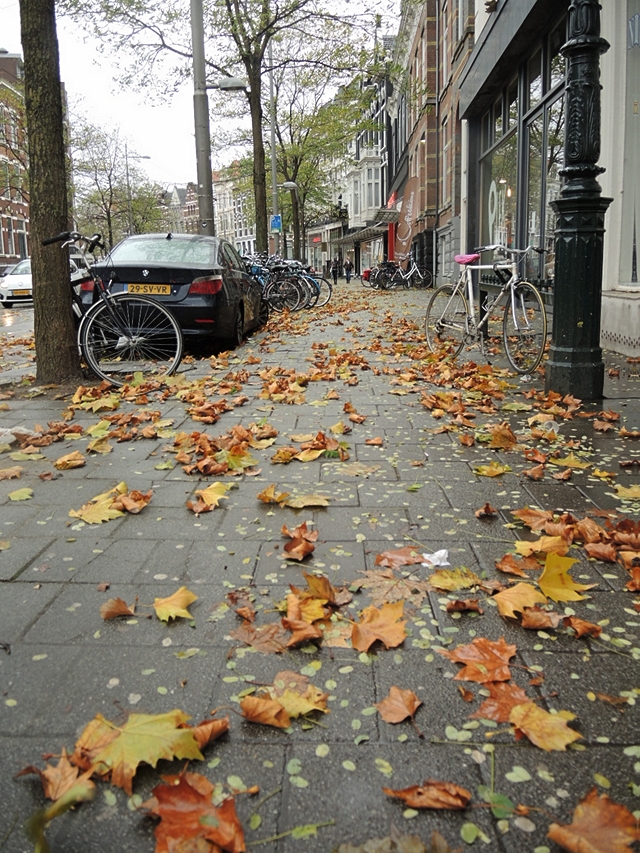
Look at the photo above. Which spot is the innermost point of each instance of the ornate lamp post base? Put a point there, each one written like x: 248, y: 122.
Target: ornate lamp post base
x: 575, y: 363
x: 575, y: 359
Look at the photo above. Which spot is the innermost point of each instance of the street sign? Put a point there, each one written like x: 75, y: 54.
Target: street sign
x: 276, y: 223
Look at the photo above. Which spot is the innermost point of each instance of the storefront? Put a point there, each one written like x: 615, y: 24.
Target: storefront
x: 512, y: 97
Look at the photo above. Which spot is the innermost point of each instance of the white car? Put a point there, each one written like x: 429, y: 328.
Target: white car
x: 16, y: 285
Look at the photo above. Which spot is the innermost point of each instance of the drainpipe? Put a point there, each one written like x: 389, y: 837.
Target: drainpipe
x: 437, y: 135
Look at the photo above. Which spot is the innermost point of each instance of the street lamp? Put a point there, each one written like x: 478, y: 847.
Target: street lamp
x: 126, y: 166
x: 201, y: 117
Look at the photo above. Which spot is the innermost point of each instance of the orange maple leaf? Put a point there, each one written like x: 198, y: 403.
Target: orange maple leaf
x: 57, y: 780
x: 516, y: 598
x: 267, y: 712
x: 187, y: 814
x: 582, y: 627
x: 385, y: 624
x: 398, y: 705
x: 503, y: 697
x: 484, y: 660
x: 117, y: 607
x: 548, y: 731
x: 599, y: 826
x: 400, y: 557
x: 432, y: 795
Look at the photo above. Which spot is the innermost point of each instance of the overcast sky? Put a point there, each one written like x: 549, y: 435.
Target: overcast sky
x: 163, y: 133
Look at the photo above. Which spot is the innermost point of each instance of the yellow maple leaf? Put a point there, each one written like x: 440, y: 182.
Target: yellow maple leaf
x: 628, y: 492
x: 213, y: 494
x: 99, y: 509
x: 495, y: 469
x: 174, y: 605
x: 453, y: 579
x: 118, y: 750
x: 269, y: 495
x: 570, y: 461
x: 309, y: 455
x: 545, y: 544
x: 297, y: 704
x: 70, y: 460
x: 100, y: 445
x: 556, y: 582
x: 548, y: 731
x: 21, y: 494
x: 514, y: 600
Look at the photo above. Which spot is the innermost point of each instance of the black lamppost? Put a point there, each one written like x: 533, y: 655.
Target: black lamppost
x: 575, y: 363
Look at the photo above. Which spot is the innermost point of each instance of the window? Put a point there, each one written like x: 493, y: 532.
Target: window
x: 356, y: 197
x: 445, y: 160
x: 445, y: 43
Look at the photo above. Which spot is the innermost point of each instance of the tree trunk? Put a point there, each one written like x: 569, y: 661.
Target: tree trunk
x: 259, y: 172
x: 55, y: 336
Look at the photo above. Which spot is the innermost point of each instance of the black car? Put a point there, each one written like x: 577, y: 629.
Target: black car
x: 201, y: 280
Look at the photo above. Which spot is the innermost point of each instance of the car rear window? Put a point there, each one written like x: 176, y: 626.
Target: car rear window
x: 163, y: 251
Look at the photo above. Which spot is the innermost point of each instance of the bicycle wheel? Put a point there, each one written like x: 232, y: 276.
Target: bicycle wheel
x: 130, y: 334
x: 325, y: 291
x: 310, y: 290
x: 421, y: 278
x: 283, y: 294
x: 524, y: 328
x: 445, y: 322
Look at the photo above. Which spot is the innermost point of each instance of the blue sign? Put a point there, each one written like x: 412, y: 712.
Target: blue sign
x: 276, y: 223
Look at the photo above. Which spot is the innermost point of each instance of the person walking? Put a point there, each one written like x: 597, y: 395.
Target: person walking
x: 335, y: 269
x: 348, y: 269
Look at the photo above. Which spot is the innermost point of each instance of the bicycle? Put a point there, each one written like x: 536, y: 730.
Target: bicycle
x: 451, y: 317
x: 121, y: 334
x: 413, y: 276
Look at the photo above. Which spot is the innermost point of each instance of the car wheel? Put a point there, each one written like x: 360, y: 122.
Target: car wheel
x: 7, y: 304
x: 237, y: 336
x: 263, y: 315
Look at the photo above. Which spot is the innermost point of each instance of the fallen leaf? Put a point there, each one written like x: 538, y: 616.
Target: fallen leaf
x: 494, y: 469
x: 484, y: 660
x: 21, y: 495
x: 535, y: 473
x: 116, y: 751
x: 384, y: 586
x: 432, y: 795
x: 11, y: 473
x: 582, y: 627
x: 267, y: 712
x: 517, y: 598
x: 100, y: 509
x: 209, y: 498
x: 71, y: 460
x: 302, y: 501
x: 548, y: 731
x: 56, y: 781
x: 116, y: 607
x: 454, y: 579
x: 599, y: 826
x: 536, y: 619
x: 398, y: 705
x: 503, y: 697
x: 400, y: 557
x: 512, y: 565
x: 463, y: 605
x: 487, y: 511
x: 556, y: 582
x: 384, y: 624
x: 189, y: 821
x: 543, y: 545
x: 174, y: 605
x: 268, y: 639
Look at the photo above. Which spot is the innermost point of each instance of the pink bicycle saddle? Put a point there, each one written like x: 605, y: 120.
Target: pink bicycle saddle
x: 466, y: 259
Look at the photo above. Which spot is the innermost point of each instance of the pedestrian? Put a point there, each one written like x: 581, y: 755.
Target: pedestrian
x: 335, y: 269
x: 348, y: 269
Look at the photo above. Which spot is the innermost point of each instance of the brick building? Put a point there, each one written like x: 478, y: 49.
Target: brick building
x: 14, y: 196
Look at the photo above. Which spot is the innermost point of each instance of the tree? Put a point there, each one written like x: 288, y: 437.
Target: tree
x: 56, y: 352
x: 101, y: 188
x: 156, y: 36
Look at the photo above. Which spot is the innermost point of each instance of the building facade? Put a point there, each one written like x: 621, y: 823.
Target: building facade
x: 512, y: 100
x: 14, y: 195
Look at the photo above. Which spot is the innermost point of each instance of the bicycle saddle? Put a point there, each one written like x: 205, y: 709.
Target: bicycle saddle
x: 466, y: 259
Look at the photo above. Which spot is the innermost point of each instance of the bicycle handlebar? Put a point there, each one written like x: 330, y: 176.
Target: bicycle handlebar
x: 91, y: 242
x: 496, y: 246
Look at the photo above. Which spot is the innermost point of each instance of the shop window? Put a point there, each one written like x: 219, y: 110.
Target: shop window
x: 498, y: 213
x: 497, y: 119
x: 512, y: 104
x: 556, y: 59
x: 534, y: 78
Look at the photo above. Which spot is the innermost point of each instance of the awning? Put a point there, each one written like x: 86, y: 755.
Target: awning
x: 361, y: 236
x: 387, y: 214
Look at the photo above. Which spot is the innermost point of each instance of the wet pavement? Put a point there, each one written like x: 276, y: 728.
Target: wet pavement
x: 408, y: 481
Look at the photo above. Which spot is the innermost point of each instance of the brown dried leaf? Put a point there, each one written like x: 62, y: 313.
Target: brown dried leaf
x: 432, y: 795
x: 398, y: 705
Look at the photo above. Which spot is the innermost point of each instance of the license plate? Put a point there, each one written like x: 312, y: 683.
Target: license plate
x: 152, y: 289
x: 22, y: 293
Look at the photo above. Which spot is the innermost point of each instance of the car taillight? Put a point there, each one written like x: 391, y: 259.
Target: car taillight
x: 207, y: 284
x: 87, y: 286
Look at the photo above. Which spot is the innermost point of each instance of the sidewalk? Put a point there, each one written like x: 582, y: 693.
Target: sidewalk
x: 414, y: 486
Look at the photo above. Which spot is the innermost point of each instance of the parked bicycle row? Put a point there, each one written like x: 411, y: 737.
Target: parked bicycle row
x: 390, y: 274
x: 287, y: 284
